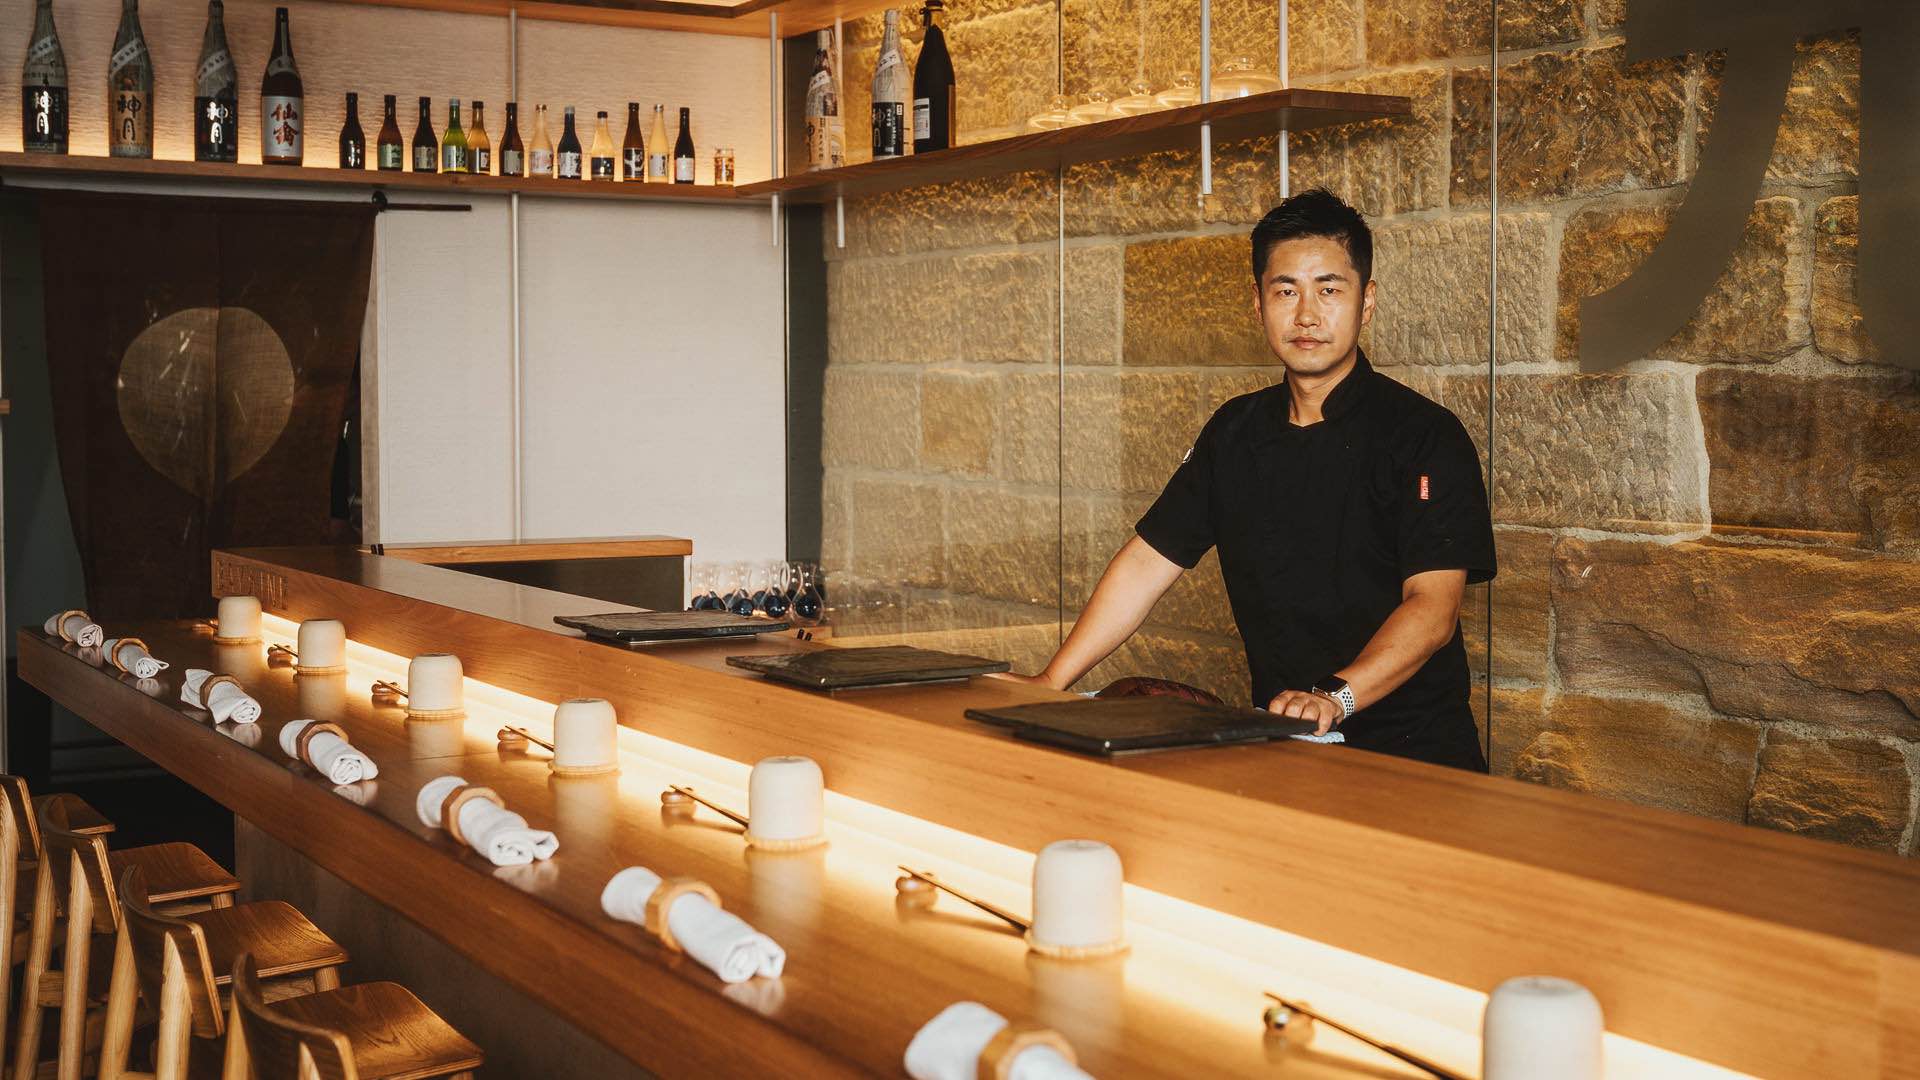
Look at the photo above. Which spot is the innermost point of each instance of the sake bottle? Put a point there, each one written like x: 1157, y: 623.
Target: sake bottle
x: 43, y: 82
x: 826, y: 131
x: 659, y: 150
x: 890, y: 84
x: 600, y: 155
x: 283, y: 106
x: 453, y: 143
x: 479, y: 146
x: 513, y: 154
x: 933, y: 94
x: 216, y: 94
x: 540, y: 151
x: 130, y: 88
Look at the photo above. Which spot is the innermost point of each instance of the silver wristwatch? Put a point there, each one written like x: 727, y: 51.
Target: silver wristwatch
x: 1335, y: 687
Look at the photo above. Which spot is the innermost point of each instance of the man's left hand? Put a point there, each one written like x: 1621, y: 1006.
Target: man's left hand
x: 1305, y: 705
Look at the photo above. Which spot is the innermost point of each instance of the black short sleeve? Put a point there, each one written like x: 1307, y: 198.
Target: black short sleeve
x: 1444, y: 520
x: 1179, y: 524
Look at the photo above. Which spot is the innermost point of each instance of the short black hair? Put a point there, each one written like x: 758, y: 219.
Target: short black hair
x: 1321, y: 213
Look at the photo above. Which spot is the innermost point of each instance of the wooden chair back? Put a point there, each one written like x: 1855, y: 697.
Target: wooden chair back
x: 276, y: 1046
x: 13, y: 789
x: 9, y: 915
x: 81, y: 881
x: 164, y: 948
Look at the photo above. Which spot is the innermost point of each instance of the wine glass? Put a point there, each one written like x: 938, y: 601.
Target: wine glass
x: 775, y: 602
x: 742, y: 603
x: 808, y: 603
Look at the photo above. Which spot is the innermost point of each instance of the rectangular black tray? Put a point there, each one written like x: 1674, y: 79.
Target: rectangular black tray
x: 623, y: 627
x: 1092, y: 726
x: 882, y: 665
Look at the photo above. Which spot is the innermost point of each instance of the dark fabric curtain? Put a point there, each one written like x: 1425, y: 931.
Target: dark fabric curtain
x: 201, y: 355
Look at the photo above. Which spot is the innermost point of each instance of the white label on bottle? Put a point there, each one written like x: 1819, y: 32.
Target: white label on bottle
x: 922, y: 118
x: 42, y: 49
x: 482, y: 160
x: 683, y: 170
x: 453, y: 158
x: 542, y: 162
x: 509, y: 163
x: 422, y: 158
x: 569, y: 165
x: 888, y: 68
x: 212, y: 65
x: 124, y: 55
x: 281, y: 122
x: 657, y: 165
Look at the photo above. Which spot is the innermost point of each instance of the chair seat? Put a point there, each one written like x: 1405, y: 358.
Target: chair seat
x: 394, y: 1035
x: 174, y: 872
x: 281, y: 939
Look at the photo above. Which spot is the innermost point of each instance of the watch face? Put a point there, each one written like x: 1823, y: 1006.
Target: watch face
x: 1332, y: 684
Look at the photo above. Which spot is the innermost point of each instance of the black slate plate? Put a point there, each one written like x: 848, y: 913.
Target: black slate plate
x: 883, y: 665
x: 622, y: 627
x: 1111, y: 726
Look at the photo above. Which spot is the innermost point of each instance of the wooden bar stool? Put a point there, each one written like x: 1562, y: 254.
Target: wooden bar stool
x: 372, y: 1031
x: 181, y: 873
x: 75, y: 872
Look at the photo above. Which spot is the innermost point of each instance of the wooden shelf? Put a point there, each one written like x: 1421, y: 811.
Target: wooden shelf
x: 1128, y: 136
x: 740, y: 18
x: 23, y: 164
x: 494, y: 551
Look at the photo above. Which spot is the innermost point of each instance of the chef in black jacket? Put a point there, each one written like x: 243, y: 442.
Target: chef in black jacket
x: 1349, y: 512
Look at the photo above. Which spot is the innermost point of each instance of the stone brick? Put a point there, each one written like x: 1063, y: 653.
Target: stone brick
x: 1211, y: 664
x: 1382, y: 167
x: 1405, y: 31
x: 1643, y: 752
x: 1611, y: 452
x: 956, y: 421
x: 1101, y: 45
x: 1818, y: 140
x: 836, y: 528
x: 1026, y: 428
x: 989, y: 307
x: 1160, y: 192
x: 1128, y: 431
x: 1522, y: 627
x: 1323, y: 36
x: 1171, y: 35
x: 1756, y: 310
x: 1767, y: 633
x: 1519, y: 714
x: 1218, y: 388
x: 870, y: 419
x: 1838, y: 327
x: 1095, y: 276
x: 1190, y: 302
x: 1435, y: 290
x: 898, y: 533
x: 999, y: 80
x: 1610, y: 14
x: 1019, y: 208
x: 1572, y: 124
x: 1853, y: 790
x: 1003, y: 545
x: 1833, y: 456
x: 1524, y: 24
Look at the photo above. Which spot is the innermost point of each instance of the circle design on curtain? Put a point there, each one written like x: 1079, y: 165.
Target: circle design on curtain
x: 204, y: 394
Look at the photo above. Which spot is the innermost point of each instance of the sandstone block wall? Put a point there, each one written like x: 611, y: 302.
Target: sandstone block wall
x: 1710, y: 558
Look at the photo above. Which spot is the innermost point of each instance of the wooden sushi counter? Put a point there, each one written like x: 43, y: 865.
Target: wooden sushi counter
x: 1390, y: 893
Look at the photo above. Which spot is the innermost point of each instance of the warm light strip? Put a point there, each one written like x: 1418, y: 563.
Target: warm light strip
x: 1208, y: 954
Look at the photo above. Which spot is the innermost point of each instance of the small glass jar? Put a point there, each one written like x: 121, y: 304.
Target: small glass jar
x: 1055, y: 116
x: 723, y: 165
x: 1237, y: 79
x: 1093, y: 108
x: 1138, y: 99
x: 1184, y: 91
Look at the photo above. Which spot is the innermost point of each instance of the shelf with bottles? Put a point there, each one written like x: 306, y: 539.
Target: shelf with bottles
x: 1119, y: 137
x: 738, y: 18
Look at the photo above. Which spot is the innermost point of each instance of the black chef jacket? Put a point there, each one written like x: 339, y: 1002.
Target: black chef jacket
x: 1319, y: 526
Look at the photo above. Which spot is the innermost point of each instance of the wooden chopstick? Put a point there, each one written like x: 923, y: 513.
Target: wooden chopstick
x: 737, y: 819
x: 997, y: 912
x: 529, y: 736
x: 1389, y: 1049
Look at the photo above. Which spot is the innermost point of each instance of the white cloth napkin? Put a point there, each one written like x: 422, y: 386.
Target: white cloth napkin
x: 78, y: 629
x: 948, y: 1048
x: 500, y: 834
x: 227, y: 701
x: 331, y: 754
x: 721, y: 942
x: 143, y: 665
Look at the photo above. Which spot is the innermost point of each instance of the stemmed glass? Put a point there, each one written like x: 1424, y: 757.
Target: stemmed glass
x: 809, y: 602
x: 774, y: 602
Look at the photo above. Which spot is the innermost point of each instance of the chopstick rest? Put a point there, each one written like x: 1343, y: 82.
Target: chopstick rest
x: 324, y: 748
x: 969, y: 1041
x: 221, y: 695
x: 479, y: 818
x: 130, y: 655
x: 685, y: 915
x: 74, y: 626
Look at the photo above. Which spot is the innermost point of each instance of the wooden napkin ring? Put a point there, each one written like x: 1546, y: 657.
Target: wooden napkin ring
x: 60, y: 624
x: 460, y: 797
x: 996, y: 1058
x: 307, y: 735
x: 670, y: 890
x: 123, y: 643
x: 206, y: 688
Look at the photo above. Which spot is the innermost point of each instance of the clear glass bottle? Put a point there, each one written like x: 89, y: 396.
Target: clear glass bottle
x: 891, y: 81
x: 130, y: 88
x: 479, y: 147
x: 283, y: 111
x: 216, y: 94
x: 453, y: 144
x: 826, y: 130
x: 659, y: 150
x: 43, y: 84
x: 600, y: 159
x: 540, y: 152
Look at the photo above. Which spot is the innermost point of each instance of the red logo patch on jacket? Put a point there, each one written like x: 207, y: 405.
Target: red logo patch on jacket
x: 1425, y: 490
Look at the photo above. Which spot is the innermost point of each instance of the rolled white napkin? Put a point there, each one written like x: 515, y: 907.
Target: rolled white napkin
x: 76, y: 628
x: 948, y: 1048
x: 226, y: 701
x: 138, y: 660
x: 721, y: 942
x: 360, y: 794
x: 331, y: 754
x: 500, y: 834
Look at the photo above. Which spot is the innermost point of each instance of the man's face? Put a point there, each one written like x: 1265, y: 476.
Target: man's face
x: 1312, y: 303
